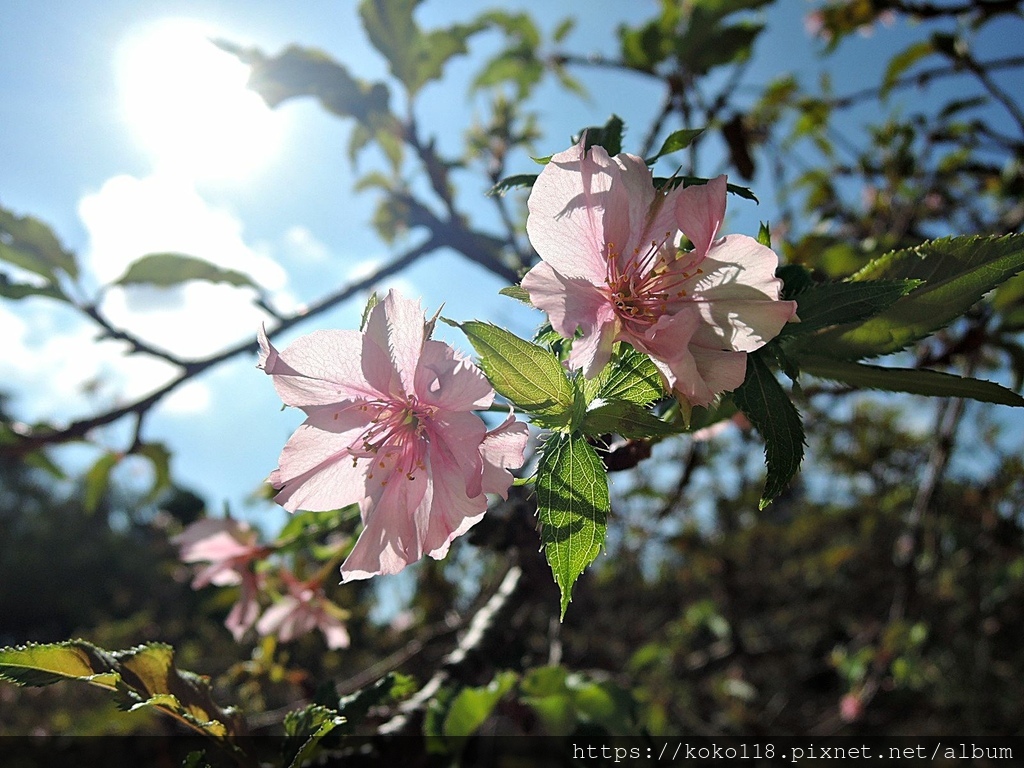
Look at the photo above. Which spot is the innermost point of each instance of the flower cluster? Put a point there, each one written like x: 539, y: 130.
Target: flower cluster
x: 613, y: 268
x: 390, y: 422
x: 390, y: 427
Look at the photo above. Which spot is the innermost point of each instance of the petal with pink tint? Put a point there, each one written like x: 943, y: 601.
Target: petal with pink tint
x: 448, y: 381
x: 321, y: 368
x: 700, y: 210
x: 592, y: 351
x: 568, y: 302
x: 738, y: 296
x: 566, y: 220
x: 397, y: 325
x: 316, y: 470
x: 394, y: 525
x: 502, y: 449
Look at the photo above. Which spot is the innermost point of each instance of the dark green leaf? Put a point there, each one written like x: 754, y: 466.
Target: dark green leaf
x: 97, y: 479
x: 12, y: 290
x: 304, y: 729
x: 957, y: 272
x: 608, y: 135
x: 167, y: 269
x: 689, y: 181
x: 770, y: 410
x: 512, y: 182
x: 676, y: 141
x: 827, y: 304
x: 903, y: 61
x: 415, y: 57
x: 28, y: 243
x: 795, y: 279
x: 529, y: 376
x: 911, y: 380
x: 573, y: 504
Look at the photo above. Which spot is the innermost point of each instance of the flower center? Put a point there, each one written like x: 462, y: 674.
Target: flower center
x: 396, y: 436
x: 645, y: 284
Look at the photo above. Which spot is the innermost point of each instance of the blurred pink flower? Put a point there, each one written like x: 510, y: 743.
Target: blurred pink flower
x: 302, y: 610
x: 228, y: 545
x: 612, y: 268
x: 390, y: 426
x: 230, y: 548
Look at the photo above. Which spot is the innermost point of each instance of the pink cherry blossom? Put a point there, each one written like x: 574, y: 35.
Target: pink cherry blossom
x: 612, y: 268
x: 390, y: 426
x: 302, y: 610
x: 230, y: 548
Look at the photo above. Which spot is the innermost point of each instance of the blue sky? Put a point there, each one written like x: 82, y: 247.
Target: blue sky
x: 82, y: 83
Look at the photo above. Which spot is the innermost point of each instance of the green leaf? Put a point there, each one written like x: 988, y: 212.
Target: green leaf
x: 795, y: 280
x: 956, y: 271
x: 167, y: 269
x: 97, y: 479
x: 512, y: 182
x: 518, y: 293
x: 770, y: 410
x: 414, y: 57
x: 565, y: 26
x: 674, y: 142
x: 903, y: 61
x: 160, y: 458
x: 304, y: 729
x: 529, y: 376
x: 624, y: 418
x: 608, y: 135
x: 631, y: 376
x: 36, y: 665
x: 472, y: 706
x: 12, y: 290
x: 911, y: 380
x: 827, y: 304
x: 573, y: 504
x: 764, y: 235
x: 141, y: 677
x: 689, y: 181
x: 28, y: 243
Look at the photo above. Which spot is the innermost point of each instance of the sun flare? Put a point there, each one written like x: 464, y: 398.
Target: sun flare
x: 187, y: 103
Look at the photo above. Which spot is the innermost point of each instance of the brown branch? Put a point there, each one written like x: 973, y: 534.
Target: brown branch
x: 82, y: 427
x: 920, y: 79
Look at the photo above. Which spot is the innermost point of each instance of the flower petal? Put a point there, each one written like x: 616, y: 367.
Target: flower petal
x: 447, y: 380
x: 568, y: 302
x: 502, y: 449
x: 567, y: 207
x: 700, y: 210
x: 316, y: 471
x: 395, y: 525
x: 320, y: 368
x: 397, y: 325
x: 737, y: 295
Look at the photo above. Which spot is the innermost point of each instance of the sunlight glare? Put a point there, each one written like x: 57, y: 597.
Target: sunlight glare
x: 187, y: 103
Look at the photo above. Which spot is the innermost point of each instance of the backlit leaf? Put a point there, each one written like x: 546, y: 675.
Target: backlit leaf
x: 168, y: 269
x: 573, y: 504
x: 529, y: 376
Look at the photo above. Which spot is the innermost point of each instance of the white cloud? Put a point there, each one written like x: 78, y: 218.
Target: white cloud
x: 57, y: 369
x: 129, y: 218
